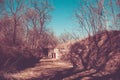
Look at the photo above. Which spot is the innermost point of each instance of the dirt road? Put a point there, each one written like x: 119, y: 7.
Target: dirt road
x: 44, y: 70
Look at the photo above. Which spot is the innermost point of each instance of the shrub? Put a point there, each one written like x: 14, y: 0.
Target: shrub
x: 16, y: 58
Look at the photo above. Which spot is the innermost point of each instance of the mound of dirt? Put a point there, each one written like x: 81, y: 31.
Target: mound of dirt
x: 100, y: 52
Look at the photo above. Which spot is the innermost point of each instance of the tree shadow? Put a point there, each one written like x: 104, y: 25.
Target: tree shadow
x: 66, y: 73
x: 114, y: 76
x: 59, y: 75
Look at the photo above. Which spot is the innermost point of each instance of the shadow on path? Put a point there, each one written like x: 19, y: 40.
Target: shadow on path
x: 46, y: 69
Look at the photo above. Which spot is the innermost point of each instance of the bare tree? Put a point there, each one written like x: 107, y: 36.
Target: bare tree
x: 43, y: 8
x: 24, y: 32
x: 15, y: 9
x: 65, y: 37
x: 2, y: 5
x: 96, y: 19
x: 96, y: 52
x: 32, y: 21
x: 37, y: 18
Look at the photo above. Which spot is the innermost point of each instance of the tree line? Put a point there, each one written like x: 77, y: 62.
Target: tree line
x: 23, y: 24
x: 23, y: 31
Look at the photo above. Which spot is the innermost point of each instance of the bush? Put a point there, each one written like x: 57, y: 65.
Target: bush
x: 16, y: 58
x: 100, y: 52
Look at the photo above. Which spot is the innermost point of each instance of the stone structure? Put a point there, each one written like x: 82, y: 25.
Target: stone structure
x: 60, y: 50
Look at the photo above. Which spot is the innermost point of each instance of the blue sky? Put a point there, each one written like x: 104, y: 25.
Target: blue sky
x: 63, y: 15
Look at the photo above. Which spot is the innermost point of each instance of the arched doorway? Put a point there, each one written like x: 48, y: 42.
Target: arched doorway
x: 45, y: 52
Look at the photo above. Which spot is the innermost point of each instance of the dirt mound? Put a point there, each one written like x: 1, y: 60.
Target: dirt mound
x: 100, y: 52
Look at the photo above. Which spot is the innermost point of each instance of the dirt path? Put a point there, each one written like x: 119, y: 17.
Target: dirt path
x: 44, y: 70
